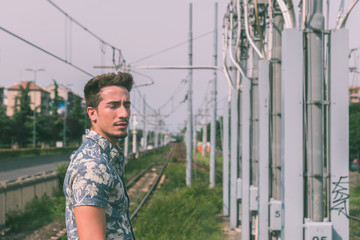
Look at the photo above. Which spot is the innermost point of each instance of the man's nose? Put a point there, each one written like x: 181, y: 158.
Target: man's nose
x: 124, y: 112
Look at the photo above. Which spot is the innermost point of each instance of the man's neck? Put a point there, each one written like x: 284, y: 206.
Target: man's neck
x: 110, y: 140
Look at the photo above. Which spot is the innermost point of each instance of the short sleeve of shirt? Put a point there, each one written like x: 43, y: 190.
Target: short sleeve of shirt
x: 91, y: 185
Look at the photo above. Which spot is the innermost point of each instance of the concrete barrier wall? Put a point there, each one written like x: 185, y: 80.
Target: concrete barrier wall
x: 15, y: 194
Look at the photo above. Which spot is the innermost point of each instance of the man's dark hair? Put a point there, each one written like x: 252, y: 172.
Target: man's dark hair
x: 94, y: 86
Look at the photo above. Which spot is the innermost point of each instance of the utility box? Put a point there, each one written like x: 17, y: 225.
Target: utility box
x: 275, y: 215
x: 238, y: 188
x: 318, y: 230
x: 253, y: 198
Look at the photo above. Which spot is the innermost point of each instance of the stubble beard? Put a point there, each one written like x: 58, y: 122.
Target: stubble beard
x: 121, y: 135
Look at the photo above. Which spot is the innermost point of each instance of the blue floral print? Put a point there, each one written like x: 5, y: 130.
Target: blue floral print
x: 95, y: 177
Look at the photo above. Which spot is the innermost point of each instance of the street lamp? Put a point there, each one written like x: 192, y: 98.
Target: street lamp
x: 66, y: 99
x: 34, y: 117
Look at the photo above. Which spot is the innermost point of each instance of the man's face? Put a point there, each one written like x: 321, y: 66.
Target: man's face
x: 111, y: 117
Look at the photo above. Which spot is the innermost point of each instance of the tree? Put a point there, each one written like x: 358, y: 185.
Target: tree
x: 56, y: 101
x: 354, y: 130
x: 50, y: 126
x: 5, y: 129
x: 21, y: 120
x: 75, y: 121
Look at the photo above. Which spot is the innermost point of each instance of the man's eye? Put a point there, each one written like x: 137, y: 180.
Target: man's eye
x: 113, y: 106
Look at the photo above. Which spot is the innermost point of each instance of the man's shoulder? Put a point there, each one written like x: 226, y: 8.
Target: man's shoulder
x: 89, y: 150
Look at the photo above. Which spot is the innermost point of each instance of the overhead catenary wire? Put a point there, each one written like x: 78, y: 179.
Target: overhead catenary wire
x: 176, y: 92
x: 270, y: 30
x: 86, y: 29
x: 226, y: 71
x: 205, y: 103
x: 303, y: 14
x: 340, y: 12
x: 247, y: 30
x: 344, y: 18
x: 242, y: 72
x: 291, y: 12
x: 146, y: 103
x: 146, y: 76
x: 286, y: 14
x: 174, y: 109
x: 257, y: 20
x: 171, y: 47
x: 45, y: 51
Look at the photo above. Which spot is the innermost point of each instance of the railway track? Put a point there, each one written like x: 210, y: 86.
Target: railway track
x: 156, y: 168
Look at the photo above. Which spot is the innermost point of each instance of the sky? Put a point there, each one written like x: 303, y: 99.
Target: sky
x: 140, y: 28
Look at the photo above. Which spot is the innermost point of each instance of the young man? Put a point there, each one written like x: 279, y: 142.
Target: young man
x: 97, y: 205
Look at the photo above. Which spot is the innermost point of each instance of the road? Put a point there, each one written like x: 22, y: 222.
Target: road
x: 14, y: 168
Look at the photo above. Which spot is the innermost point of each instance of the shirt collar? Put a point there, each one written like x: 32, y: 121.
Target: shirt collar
x: 109, y: 149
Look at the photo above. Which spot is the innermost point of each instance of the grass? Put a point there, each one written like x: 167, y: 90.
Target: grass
x: 180, y: 212
x: 41, y: 211
x: 133, y: 166
x: 174, y: 212
x: 355, y: 211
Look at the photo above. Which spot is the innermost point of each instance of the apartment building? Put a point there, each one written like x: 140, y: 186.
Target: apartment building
x: 39, y: 98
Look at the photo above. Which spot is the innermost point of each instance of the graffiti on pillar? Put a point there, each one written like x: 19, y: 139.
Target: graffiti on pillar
x: 340, y: 195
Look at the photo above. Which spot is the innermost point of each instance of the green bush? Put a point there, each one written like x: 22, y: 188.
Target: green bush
x: 39, y: 211
x: 29, y: 219
x: 61, y: 171
x: 27, y: 152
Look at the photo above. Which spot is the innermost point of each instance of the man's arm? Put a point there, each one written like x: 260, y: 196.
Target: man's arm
x: 90, y: 222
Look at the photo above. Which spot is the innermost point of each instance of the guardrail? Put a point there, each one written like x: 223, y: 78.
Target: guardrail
x: 14, y: 194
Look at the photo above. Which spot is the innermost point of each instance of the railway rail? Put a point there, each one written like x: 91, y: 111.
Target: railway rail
x: 130, y: 184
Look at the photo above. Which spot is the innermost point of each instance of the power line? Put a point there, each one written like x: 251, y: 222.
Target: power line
x: 91, y: 33
x: 142, y: 97
x: 174, y: 109
x: 176, y: 92
x: 172, y: 47
x: 47, y: 52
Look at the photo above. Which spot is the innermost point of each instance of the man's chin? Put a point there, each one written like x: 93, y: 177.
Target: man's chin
x: 121, y: 135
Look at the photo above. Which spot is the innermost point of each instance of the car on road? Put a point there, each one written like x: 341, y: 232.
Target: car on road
x: 355, y: 165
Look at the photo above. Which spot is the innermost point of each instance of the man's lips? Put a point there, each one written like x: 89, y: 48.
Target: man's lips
x: 121, y: 124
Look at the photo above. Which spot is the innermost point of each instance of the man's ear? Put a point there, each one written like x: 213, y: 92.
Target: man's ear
x: 92, y: 114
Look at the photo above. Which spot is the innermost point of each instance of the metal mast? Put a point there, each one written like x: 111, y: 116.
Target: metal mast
x: 214, y: 102
x: 204, y: 135
x: 189, y: 128
x: 275, y: 123
x: 314, y: 110
x: 226, y: 155
x: 145, y: 130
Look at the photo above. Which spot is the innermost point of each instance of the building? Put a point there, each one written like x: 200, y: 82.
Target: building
x: 354, y: 96
x: 65, y: 95
x: 39, y: 98
x: 63, y: 92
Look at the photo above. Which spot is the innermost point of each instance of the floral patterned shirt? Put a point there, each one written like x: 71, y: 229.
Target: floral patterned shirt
x: 95, y: 177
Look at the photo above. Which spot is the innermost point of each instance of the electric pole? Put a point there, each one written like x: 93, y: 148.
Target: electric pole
x: 189, y: 128
x: 214, y: 112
